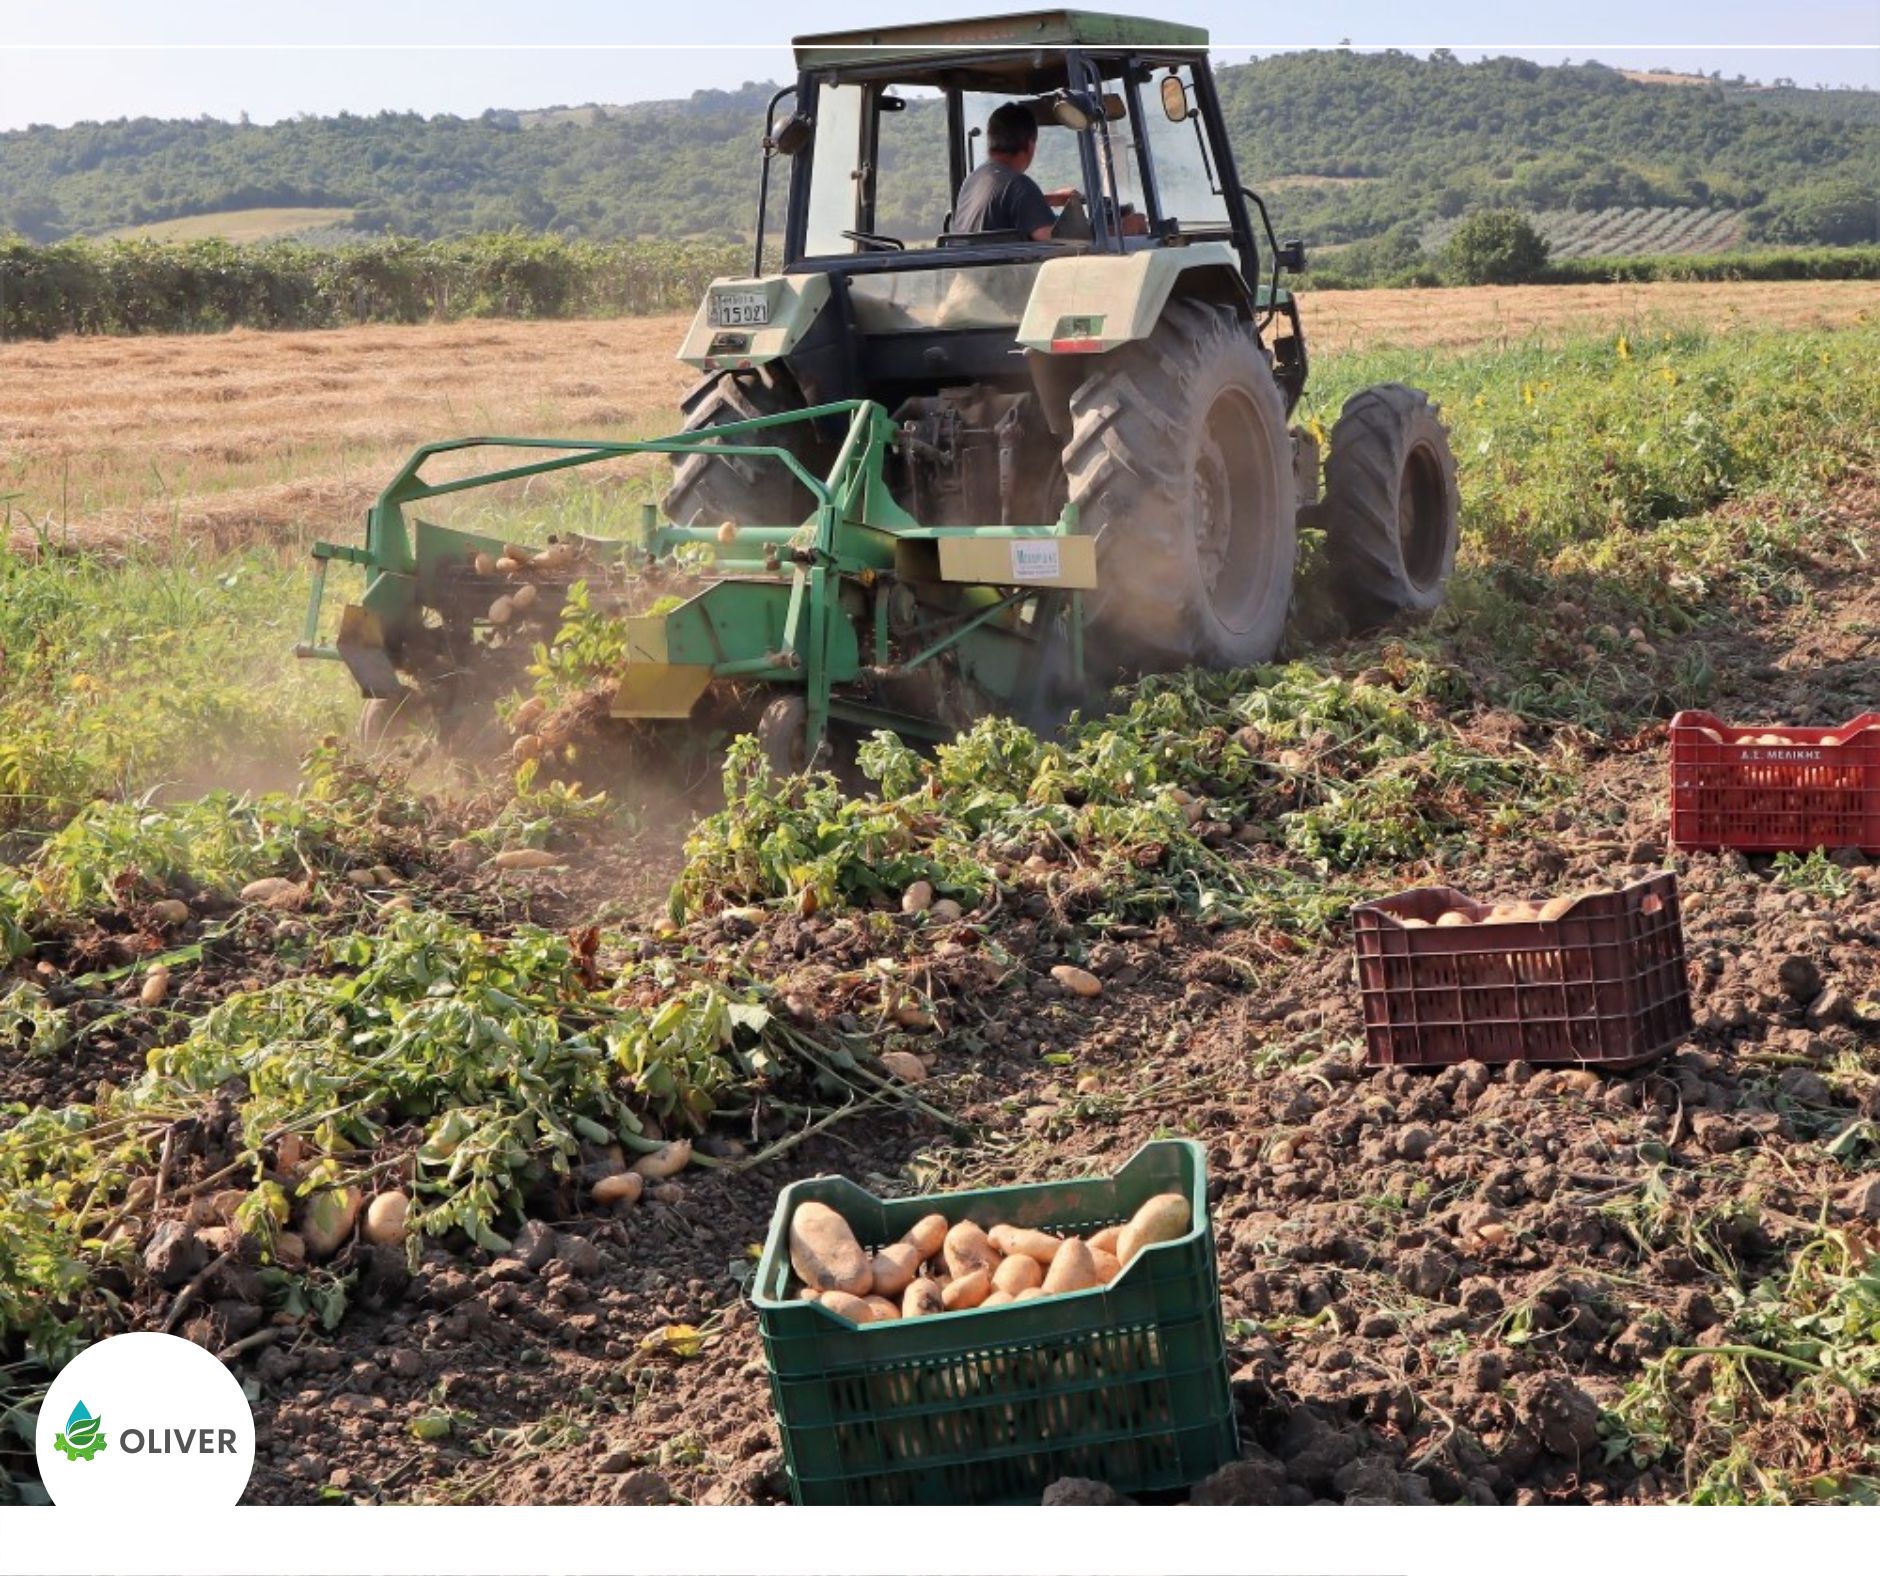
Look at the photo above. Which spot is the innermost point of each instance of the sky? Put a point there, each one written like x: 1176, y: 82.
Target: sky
x: 103, y: 59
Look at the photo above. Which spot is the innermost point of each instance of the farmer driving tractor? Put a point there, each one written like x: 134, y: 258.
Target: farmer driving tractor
x: 999, y: 195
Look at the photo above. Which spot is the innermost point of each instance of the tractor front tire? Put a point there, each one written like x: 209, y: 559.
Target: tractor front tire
x: 746, y: 489
x: 1391, y: 507
x: 1180, y: 465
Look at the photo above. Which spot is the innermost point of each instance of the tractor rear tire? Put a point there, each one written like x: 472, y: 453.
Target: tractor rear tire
x: 708, y: 490
x: 1391, y: 507
x: 1180, y: 465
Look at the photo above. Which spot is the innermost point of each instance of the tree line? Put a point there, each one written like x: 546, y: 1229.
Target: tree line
x: 1347, y: 145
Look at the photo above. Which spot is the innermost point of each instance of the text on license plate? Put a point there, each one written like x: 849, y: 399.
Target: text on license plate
x: 740, y: 309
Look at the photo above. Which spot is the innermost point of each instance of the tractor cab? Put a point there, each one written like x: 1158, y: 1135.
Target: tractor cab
x: 879, y: 133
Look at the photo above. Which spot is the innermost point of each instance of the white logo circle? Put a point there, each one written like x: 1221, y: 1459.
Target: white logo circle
x: 145, y: 1421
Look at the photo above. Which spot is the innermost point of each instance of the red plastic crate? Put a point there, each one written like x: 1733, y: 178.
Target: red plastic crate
x: 1604, y: 983
x: 1821, y: 789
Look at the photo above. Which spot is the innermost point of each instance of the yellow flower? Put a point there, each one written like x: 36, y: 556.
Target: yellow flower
x: 1625, y: 350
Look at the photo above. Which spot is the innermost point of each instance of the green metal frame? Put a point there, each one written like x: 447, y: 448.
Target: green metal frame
x: 819, y: 584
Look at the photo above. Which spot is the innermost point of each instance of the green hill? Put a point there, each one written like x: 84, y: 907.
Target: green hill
x: 1349, y: 145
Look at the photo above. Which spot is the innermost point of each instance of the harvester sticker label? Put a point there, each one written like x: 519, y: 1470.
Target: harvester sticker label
x: 1036, y: 560
x: 1783, y: 755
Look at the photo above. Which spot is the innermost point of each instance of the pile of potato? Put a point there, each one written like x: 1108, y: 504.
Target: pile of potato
x: 1762, y: 738
x: 1491, y: 914
x: 942, y: 1268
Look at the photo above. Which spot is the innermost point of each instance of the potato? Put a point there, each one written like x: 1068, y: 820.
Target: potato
x: 922, y: 1298
x: 1073, y: 1269
x: 905, y: 1066
x: 966, y: 1291
x: 1411, y: 922
x: 1028, y: 1293
x: 275, y: 892
x: 1104, y: 1240
x: 625, y: 1188
x: 326, y: 1220
x: 884, y: 1308
x: 1164, y: 1218
x: 502, y: 610
x: 824, y: 1252
x: 895, y: 1267
x: 1109, y: 1266
x: 1079, y: 982
x: 386, y: 1219
x: 524, y: 597
x: 857, y: 1310
x: 967, y: 1248
x: 156, y: 987
x: 1555, y: 907
x: 482, y: 563
x: 945, y: 911
x: 1017, y: 1272
x: 666, y: 1161
x: 929, y: 1234
x: 1453, y: 917
x: 995, y: 1297
x: 169, y: 912
x: 918, y: 898
x: 525, y: 858
x: 1039, y: 1245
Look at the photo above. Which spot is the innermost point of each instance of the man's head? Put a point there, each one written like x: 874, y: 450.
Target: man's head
x: 1012, y: 135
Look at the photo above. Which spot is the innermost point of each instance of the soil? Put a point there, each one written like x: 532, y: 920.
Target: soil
x: 1434, y: 1280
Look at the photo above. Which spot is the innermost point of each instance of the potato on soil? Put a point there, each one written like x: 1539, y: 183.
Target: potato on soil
x: 1017, y: 1272
x: 170, y: 912
x: 625, y: 1188
x: 967, y: 1248
x: 1038, y: 1245
x: 824, y: 1252
x: 857, y: 1310
x: 524, y: 859
x: 1074, y: 1268
x: 1079, y: 982
x: 666, y: 1161
x: 1164, y: 1218
x: 923, y: 1297
x: 968, y: 1291
x: 929, y: 1235
x: 895, y: 1267
x: 156, y: 987
x: 326, y: 1220
x: 387, y: 1219
x: 275, y: 892
x: 905, y: 1066
x: 918, y: 898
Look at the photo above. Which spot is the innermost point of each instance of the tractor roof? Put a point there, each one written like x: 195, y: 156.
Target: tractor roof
x: 1016, y: 30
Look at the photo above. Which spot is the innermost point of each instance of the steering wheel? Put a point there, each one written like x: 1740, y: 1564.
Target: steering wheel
x: 874, y: 243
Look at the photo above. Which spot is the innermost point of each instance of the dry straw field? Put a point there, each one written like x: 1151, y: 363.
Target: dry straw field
x: 249, y: 437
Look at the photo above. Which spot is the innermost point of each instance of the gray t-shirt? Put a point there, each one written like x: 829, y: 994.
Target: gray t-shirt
x: 997, y: 197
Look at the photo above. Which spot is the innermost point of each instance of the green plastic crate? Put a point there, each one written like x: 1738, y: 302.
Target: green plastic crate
x: 1126, y: 1383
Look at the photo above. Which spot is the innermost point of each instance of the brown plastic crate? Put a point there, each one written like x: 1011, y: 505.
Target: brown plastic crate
x: 1818, y: 789
x: 1604, y: 983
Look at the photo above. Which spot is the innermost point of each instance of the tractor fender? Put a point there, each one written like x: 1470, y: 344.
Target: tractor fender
x: 792, y: 303
x: 1086, y: 305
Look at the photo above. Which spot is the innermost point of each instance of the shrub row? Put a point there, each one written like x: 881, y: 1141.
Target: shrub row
x: 1826, y: 262
x: 152, y: 287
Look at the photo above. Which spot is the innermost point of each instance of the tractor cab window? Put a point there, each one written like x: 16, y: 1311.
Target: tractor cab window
x: 1185, y: 177
x: 835, y: 171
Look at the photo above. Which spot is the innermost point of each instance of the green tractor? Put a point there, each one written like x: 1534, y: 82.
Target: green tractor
x: 931, y: 473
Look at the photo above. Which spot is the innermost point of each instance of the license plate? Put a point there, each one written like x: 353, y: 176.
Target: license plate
x: 740, y: 308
